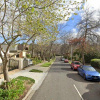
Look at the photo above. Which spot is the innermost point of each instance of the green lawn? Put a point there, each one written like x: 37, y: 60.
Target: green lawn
x: 47, y: 64
x: 23, y: 78
x: 35, y: 70
x: 69, y: 62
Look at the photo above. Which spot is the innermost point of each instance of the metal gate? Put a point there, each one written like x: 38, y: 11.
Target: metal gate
x: 13, y: 64
x: 25, y: 63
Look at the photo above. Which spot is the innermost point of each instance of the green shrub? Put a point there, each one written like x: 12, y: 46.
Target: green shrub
x: 28, y: 55
x: 91, y: 55
x: 95, y: 63
x: 14, y: 89
x: 36, y: 61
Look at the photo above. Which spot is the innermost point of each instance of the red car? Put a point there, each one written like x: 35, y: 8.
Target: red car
x: 66, y: 61
x: 75, y: 65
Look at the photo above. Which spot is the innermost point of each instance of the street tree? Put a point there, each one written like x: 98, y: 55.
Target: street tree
x: 88, y: 29
x: 13, y: 16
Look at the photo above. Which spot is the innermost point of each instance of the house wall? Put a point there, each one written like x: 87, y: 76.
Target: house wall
x: 24, y: 54
x: 0, y: 61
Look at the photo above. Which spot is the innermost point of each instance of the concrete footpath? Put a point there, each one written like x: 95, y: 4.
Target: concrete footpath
x: 38, y: 77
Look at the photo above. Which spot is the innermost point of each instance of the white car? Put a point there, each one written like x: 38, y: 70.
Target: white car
x: 30, y: 62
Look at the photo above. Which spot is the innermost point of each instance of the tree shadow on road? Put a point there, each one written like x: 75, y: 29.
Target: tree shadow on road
x: 61, y: 64
x: 76, y: 77
x: 60, y: 67
x: 93, y: 93
x: 66, y: 69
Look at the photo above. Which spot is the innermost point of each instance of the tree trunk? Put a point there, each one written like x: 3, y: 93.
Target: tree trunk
x: 32, y: 52
x: 5, y: 71
x: 32, y: 48
x: 83, y: 61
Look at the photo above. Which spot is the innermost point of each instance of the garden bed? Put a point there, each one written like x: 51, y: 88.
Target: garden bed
x: 16, y: 89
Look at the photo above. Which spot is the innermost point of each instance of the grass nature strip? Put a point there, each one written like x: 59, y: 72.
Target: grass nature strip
x: 47, y: 64
x: 35, y: 70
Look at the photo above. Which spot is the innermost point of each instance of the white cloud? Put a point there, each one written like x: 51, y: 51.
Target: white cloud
x: 74, y: 33
x: 93, y: 4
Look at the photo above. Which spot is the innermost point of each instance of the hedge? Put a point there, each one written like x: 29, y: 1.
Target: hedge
x: 95, y: 63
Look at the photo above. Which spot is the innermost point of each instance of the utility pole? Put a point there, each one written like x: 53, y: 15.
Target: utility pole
x: 71, y: 52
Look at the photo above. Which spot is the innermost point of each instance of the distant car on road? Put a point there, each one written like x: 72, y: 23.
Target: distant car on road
x: 62, y: 59
x: 75, y: 65
x: 89, y: 73
x: 66, y: 61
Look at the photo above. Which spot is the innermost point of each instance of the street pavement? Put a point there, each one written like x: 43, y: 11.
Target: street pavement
x: 62, y: 83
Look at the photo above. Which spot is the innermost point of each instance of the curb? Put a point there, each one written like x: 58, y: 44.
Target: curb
x: 36, y: 85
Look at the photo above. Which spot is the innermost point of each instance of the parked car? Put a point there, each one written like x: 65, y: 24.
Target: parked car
x: 88, y: 73
x: 62, y: 59
x: 66, y: 61
x: 75, y: 65
x: 30, y: 62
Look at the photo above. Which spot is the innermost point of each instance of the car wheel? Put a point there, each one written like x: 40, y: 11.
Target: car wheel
x: 84, y: 77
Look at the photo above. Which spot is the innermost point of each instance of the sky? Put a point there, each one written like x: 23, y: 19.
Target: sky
x: 66, y: 26
x: 70, y: 25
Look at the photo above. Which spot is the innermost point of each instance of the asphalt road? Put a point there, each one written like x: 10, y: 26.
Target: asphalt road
x: 62, y: 83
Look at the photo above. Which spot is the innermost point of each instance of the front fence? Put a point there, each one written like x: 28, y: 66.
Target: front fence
x: 25, y: 63
x: 13, y: 64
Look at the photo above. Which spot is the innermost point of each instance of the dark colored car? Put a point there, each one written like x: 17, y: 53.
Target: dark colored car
x: 89, y: 73
x: 66, y: 61
x: 75, y: 65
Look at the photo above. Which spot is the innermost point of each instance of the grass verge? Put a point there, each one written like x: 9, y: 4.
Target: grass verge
x: 16, y: 89
x: 69, y: 62
x: 36, y: 70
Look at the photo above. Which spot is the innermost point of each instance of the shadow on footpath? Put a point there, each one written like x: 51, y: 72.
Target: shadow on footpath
x: 93, y: 93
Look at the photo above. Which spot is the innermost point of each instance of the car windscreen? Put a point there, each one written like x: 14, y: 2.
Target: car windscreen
x: 77, y: 63
x: 89, y: 69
